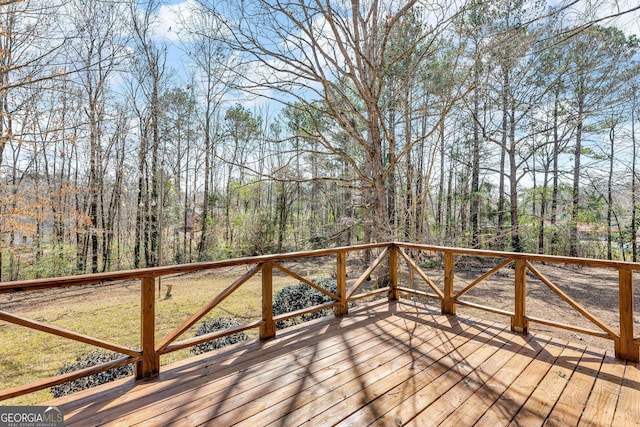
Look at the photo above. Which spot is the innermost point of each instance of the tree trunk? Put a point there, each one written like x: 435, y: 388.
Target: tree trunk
x: 441, y: 192
x: 475, y: 163
x: 575, y: 201
x: 503, y: 149
x: 516, y: 244
x: 202, y: 245
x: 543, y: 205
x: 634, y: 227
x: 141, y: 204
x: 555, y: 171
x: 610, y: 195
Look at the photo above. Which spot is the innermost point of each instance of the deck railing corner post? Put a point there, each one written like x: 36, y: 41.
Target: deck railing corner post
x: 268, y: 327
x: 519, y: 321
x: 626, y: 347
x: 448, y: 305
x: 394, y: 293
x: 342, y: 307
x: 150, y: 363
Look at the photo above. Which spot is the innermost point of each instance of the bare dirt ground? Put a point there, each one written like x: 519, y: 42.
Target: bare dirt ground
x: 596, y: 289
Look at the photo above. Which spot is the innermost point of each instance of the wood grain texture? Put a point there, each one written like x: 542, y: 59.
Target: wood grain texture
x: 383, y: 364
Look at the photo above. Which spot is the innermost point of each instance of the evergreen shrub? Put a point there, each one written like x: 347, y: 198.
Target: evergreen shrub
x: 213, y: 325
x: 298, y: 297
x: 85, y: 361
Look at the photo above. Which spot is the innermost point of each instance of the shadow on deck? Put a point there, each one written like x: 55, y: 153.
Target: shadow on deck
x: 385, y: 363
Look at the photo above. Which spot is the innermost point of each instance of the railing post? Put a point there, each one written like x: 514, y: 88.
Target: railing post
x: 268, y: 328
x: 519, y: 323
x: 341, y: 281
x: 150, y: 363
x: 394, y: 294
x: 625, y: 348
x: 448, y: 306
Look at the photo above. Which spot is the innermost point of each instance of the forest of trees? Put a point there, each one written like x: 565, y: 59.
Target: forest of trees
x: 253, y: 126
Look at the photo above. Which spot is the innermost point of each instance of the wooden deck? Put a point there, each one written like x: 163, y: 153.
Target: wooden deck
x: 384, y: 364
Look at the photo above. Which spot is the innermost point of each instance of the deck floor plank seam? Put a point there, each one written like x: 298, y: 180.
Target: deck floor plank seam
x: 281, y: 407
x: 516, y: 394
x: 472, y: 409
x: 281, y: 379
x: 254, y: 352
x: 628, y: 407
x: 602, y: 402
x: 366, y: 361
x: 386, y: 363
x: 441, y: 404
x: 371, y: 388
x: 569, y: 406
x: 541, y: 401
x: 246, y: 369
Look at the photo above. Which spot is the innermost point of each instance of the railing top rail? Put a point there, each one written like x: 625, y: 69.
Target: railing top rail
x: 591, y: 262
x: 89, y: 279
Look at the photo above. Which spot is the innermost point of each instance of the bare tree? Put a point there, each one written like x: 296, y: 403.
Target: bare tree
x: 333, y: 60
x: 99, y: 49
x: 212, y: 64
x: 150, y: 67
x: 594, y: 58
x: 30, y: 44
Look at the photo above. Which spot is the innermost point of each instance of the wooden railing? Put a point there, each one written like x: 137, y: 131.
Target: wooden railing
x: 626, y: 344
x: 147, y: 356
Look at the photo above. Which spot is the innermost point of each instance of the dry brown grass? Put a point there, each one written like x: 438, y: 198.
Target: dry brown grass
x: 112, y: 312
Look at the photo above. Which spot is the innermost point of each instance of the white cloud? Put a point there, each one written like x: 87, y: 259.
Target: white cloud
x: 168, y: 25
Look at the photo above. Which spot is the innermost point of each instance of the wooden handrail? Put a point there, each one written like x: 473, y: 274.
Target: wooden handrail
x: 169, y: 270
x: 627, y: 346
x: 556, y: 259
x: 370, y: 293
x: 61, y: 379
x: 285, y: 316
x: 570, y: 301
x: 485, y: 276
x: 419, y: 293
x: 189, y: 342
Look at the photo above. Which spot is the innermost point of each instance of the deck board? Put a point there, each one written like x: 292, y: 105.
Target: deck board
x: 603, y: 399
x: 384, y: 364
x: 425, y: 363
x: 472, y: 375
x: 628, y: 408
x: 316, y: 394
x: 414, y: 390
x: 516, y: 394
x: 288, y: 381
x: 541, y: 401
